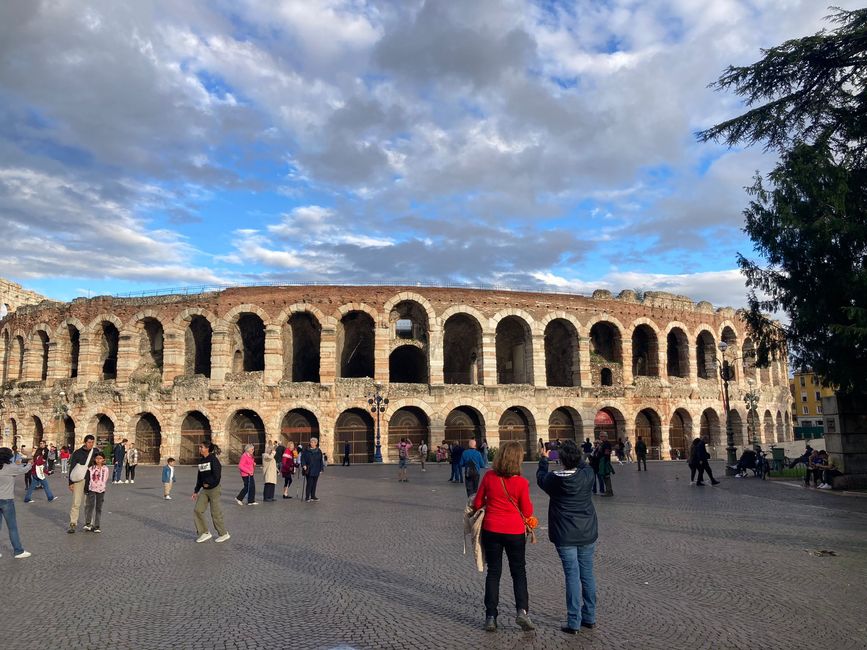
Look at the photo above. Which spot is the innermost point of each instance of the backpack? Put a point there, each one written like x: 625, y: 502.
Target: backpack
x: 472, y: 471
x: 401, y: 450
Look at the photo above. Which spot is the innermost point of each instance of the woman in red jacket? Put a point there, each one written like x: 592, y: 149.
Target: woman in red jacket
x: 505, y: 496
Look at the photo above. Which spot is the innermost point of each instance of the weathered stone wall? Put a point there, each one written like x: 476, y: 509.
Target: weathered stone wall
x: 14, y: 295
x: 44, y: 386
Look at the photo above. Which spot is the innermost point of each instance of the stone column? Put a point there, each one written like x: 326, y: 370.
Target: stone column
x: 626, y: 348
x: 327, y: 356
x: 273, y: 356
x: 88, y: 358
x: 128, y: 356
x: 220, y: 357
x: 693, y: 367
x: 584, y: 373
x: 662, y: 359
x: 57, y: 368
x: 31, y: 360
x: 173, y: 355
x: 381, y: 344
x: 436, y: 356
x: 489, y: 359
x: 539, y: 377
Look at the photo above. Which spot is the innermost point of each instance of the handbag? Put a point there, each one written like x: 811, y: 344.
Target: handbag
x: 80, y: 471
x: 530, y: 523
x: 40, y: 472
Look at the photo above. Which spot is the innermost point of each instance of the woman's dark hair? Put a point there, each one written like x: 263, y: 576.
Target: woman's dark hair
x: 570, y: 455
x: 212, y: 448
x: 6, y: 456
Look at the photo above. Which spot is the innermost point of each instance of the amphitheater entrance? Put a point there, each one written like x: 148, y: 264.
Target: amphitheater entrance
x: 148, y: 438
x: 38, y: 432
x: 679, y: 433
x: 516, y: 425
x: 195, y: 430
x: 605, y: 422
x: 104, y: 431
x: 564, y: 424
x: 68, y: 433
x: 246, y: 428
x: 463, y: 424
x: 299, y: 425
x: 355, y: 428
x: 649, y: 427
x: 408, y: 422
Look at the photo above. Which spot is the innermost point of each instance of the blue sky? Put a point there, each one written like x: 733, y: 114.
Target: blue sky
x: 526, y: 144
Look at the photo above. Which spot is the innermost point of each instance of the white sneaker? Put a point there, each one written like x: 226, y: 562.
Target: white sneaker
x: 239, y: 502
x: 127, y: 481
x: 168, y: 497
x: 22, y: 555
x: 825, y: 486
x: 132, y: 481
x: 223, y: 538
x: 204, y: 537
x: 255, y: 503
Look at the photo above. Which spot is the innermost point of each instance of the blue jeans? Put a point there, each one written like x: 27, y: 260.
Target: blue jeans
x: 456, y: 473
x: 118, y: 472
x: 601, y: 479
x: 249, y: 490
x: 38, y: 481
x: 578, y: 570
x: 7, y: 512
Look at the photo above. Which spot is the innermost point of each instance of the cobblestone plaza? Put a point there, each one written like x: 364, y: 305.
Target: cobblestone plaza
x: 378, y: 564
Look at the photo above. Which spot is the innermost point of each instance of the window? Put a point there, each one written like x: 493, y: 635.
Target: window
x: 807, y: 423
x: 803, y: 397
x: 803, y: 381
x: 818, y: 397
x: 806, y: 410
x: 818, y: 408
x: 814, y: 381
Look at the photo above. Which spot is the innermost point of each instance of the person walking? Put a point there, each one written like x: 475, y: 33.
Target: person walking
x: 455, y: 453
x: 287, y: 468
x: 573, y: 530
x: 64, y: 459
x: 347, y: 450
x: 620, y: 451
x: 606, y: 469
x: 207, y: 493
x: 247, y: 468
x: 169, y: 478
x: 279, y: 450
x: 472, y: 463
x: 627, y: 448
x: 269, y: 473
x: 422, y: 454
x: 51, y: 458
x: 131, y: 461
x: 312, y: 465
x: 641, y: 453
x: 8, y: 473
x: 587, y: 450
x: 39, y: 477
x: 692, y: 461
x: 403, y: 449
x: 79, y: 476
x: 25, y: 460
x: 505, y: 496
x: 702, y: 456
x: 595, y: 457
x: 118, y: 457
x: 95, y: 493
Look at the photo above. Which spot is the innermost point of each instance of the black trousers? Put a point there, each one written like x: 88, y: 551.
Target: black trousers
x: 516, y: 547
x: 287, y: 481
x: 703, y: 469
x: 130, y: 472
x: 471, y: 482
x: 310, y: 488
x: 345, y: 459
x: 268, y: 492
x: 642, y: 459
x: 693, y: 469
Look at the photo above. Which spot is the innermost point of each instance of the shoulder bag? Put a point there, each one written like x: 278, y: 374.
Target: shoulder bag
x: 80, y: 471
x: 530, y: 522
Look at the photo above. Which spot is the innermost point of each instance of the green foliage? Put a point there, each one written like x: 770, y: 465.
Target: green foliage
x: 808, y: 218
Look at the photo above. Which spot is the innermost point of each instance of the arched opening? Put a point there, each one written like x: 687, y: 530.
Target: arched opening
x: 74, y: 342
x: 749, y: 355
x: 19, y: 358
x: 645, y: 352
x: 355, y: 428
x: 407, y: 365
x: 561, y: 354
x: 248, y: 344
x: 150, y: 347
x: 516, y: 425
x: 564, y: 424
x: 195, y: 429
x: 302, y: 335
x: 38, y: 432
x: 679, y: 434
x: 197, y: 347
x: 463, y: 424
x: 608, y: 421
x: 7, y: 353
x: 13, y: 430
x: 462, y: 350
x: 781, y: 435
x: 606, y: 354
x: 730, y: 338
x: 246, y: 428
x: 108, y: 344
x: 355, y: 344
x: 148, y: 438
x: 408, y: 422
x: 739, y: 434
x: 69, y: 432
x: 787, y: 434
x: 104, y: 432
x: 298, y: 426
x: 768, y: 428
x: 705, y: 355
x: 514, y: 352
x: 43, y: 343
x: 709, y: 429
x: 677, y: 353
x: 408, y: 320
x: 649, y: 427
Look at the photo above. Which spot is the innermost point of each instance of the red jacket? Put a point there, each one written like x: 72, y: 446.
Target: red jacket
x: 501, y: 515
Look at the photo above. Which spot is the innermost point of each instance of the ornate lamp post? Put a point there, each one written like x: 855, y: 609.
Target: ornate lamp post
x: 377, y: 404
x: 726, y: 374
x: 751, y: 399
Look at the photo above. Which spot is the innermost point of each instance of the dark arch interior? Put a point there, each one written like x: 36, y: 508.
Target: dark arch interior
x: 563, y: 425
x: 462, y: 350
x: 355, y: 428
x: 355, y: 341
x: 561, y: 354
x: 43, y: 355
x: 246, y: 428
x: 516, y: 426
x: 302, y: 347
x: 605, y: 342
x: 250, y: 342
x: 108, y: 350
x: 408, y: 422
x: 195, y: 429
x: 74, y: 346
x: 464, y: 424
x: 298, y: 426
x: 677, y: 353
x: 197, y: 343
x: 514, y: 352
x: 705, y: 355
x: 645, y: 352
x: 151, y: 343
x: 408, y: 365
x: 104, y: 431
x: 148, y: 438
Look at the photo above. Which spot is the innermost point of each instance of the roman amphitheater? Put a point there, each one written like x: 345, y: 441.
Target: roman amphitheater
x: 290, y: 362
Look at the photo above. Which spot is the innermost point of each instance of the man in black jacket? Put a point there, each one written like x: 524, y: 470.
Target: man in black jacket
x: 118, y: 454
x: 312, y: 464
x: 86, y: 456
x: 573, y: 529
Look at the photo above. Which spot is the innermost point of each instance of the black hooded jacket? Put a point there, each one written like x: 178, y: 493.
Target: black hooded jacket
x: 571, y: 514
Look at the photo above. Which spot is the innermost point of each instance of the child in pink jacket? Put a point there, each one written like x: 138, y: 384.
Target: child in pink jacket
x: 247, y: 467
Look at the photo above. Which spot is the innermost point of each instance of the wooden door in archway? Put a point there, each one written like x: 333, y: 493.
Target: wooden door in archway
x: 356, y: 428
x: 515, y: 427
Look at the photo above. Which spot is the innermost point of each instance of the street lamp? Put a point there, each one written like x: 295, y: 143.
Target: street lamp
x: 726, y: 374
x: 377, y: 404
x: 751, y: 399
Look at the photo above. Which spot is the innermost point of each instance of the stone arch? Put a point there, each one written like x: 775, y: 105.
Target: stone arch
x: 464, y: 423
x: 680, y: 433
x: 610, y: 420
x: 514, y: 349
x: 298, y: 425
x: 606, y: 351
x: 411, y: 296
x: 40, y: 342
x: 350, y: 307
x: 198, y: 344
x: 710, y: 428
x: 93, y: 328
x: 195, y: 429
x: 38, y: 430
x: 503, y: 314
x: 705, y: 353
x: 245, y: 427
x: 781, y: 436
x: 768, y: 428
x: 302, y: 342
x: 648, y: 424
x: 564, y: 423
x: 677, y: 351
x: 148, y: 437
x: 645, y: 348
x: 355, y: 427
x: 517, y: 424
x: 69, y: 432
x: 562, y: 367
x: 103, y: 426
x: 104, y: 333
x: 483, y: 321
x: 407, y: 364
x: 408, y: 422
x: 247, y: 342
x: 150, y: 332
x: 324, y: 320
x: 232, y: 315
x: 739, y: 433
x: 356, y: 343
x: 16, y: 361
x: 462, y: 349
x: 67, y: 335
